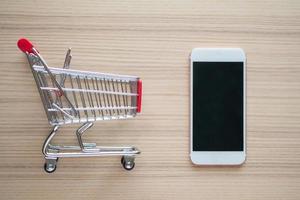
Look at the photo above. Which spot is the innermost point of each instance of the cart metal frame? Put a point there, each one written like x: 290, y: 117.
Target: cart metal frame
x: 74, y: 96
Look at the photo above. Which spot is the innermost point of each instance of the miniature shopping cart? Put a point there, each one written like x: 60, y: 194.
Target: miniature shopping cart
x: 73, y: 96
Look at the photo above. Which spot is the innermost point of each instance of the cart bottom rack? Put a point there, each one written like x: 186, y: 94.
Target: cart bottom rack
x: 54, y: 152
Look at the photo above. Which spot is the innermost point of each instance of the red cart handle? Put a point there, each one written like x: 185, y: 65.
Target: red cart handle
x: 25, y: 45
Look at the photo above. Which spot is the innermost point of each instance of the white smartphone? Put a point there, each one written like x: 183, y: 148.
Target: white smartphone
x: 218, y: 106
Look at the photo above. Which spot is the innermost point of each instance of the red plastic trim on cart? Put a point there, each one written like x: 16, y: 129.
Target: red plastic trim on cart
x: 25, y: 45
x: 139, y: 96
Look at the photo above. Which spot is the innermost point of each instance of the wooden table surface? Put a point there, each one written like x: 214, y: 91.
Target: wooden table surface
x: 152, y: 39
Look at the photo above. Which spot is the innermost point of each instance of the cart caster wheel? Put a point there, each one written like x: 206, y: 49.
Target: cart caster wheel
x: 128, y: 162
x: 49, y: 168
x: 50, y: 165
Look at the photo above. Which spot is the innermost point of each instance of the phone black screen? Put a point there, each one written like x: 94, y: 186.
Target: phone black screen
x: 218, y: 106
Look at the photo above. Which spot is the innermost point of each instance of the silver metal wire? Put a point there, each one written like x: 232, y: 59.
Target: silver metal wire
x: 94, y: 96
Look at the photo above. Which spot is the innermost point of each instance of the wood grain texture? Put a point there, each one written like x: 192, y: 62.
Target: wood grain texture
x: 152, y: 39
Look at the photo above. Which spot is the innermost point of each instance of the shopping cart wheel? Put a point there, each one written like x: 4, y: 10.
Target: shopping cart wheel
x: 128, y: 162
x: 50, y: 165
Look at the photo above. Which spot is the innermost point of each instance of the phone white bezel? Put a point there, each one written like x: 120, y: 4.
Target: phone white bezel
x: 217, y: 157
